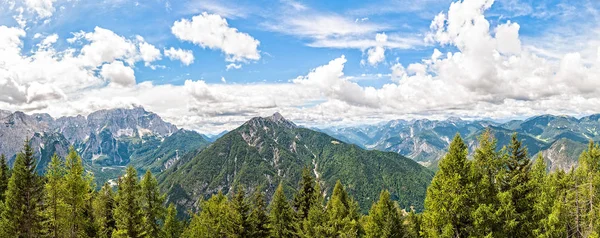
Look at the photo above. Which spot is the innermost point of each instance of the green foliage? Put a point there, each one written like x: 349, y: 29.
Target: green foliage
x: 22, y: 215
x: 128, y: 212
x: 384, y: 219
x: 240, y: 158
x: 342, y: 214
x: 447, y: 205
x: 217, y: 218
x: 55, y: 211
x: 172, y: 227
x: 282, y: 217
x: 104, y: 204
x: 259, y: 220
x: 4, y: 176
x: 307, y: 196
x: 516, y: 205
x: 77, y: 195
x: 152, y: 205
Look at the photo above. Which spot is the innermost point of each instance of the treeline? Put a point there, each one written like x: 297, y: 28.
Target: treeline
x: 497, y: 193
x: 65, y: 203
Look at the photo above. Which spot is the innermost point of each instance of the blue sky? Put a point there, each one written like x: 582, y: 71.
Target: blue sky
x: 364, y: 50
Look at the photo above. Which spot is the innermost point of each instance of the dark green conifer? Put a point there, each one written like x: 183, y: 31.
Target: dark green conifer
x: 152, y: 205
x: 22, y: 216
x: 128, y: 212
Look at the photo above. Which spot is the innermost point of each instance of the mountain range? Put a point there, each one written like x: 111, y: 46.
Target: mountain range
x: 266, y: 151
x: 107, y: 140
x: 559, y: 138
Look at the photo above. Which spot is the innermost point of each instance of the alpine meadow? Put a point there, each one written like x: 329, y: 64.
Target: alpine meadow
x: 300, y: 119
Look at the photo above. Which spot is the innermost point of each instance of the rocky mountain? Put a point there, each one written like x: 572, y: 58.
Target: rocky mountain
x: 264, y: 152
x: 560, y: 138
x: 107, y: 140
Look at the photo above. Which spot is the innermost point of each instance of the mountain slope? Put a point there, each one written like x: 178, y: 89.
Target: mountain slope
x: 107, y: 140
x: 425, y: 141
x: 266, y: 151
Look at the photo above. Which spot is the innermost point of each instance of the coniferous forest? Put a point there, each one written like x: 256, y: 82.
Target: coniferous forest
x: 496, y: 192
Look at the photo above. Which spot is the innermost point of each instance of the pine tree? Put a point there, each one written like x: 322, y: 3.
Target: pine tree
x: 241, y: 206
x: 55, y: 212
x: 154, y: 211
x: 22, y: 216
x: 104, y: 204
x: 128, y: 212
x: 216, y: 219
x: 306, y: 196
x: 172, y: 227
x: 484, y: 169
x: 448, y: 202
x: 384, y: 219
x: 4, y: 176
x: 77, y: 194
x: 342, y: 213
x: 282, y: 215
x: 516, y: 205
x: 586, y: 195
x: 315, y: 225
x: 412, y: 224
x: 259, y: 220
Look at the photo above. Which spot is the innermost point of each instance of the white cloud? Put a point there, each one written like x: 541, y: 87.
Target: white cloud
x: 233, y: 66
x: 213, y: 32
x: 485, y: 73
x: 118, y: 74
x: 148, y: 52
x: 105, y: 46
x: 223, y: 79
x: 376, y: 54
x: 43, y: 8
x: 185, y: 56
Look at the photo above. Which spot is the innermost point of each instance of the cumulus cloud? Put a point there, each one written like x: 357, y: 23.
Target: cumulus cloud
x: 104, y: 46
x: 185, y: 56
x: 148, y: 52
x: 486, y: 72
x: 213, y: 32
x: 118, y: 74
x: 43, y: 8
x: 376, y: 54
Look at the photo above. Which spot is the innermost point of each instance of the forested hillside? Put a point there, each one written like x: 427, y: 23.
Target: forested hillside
x: 266, y: 152
x: 499, y: 193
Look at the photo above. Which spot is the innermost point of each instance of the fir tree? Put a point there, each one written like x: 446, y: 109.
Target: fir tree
x: 585, y: 193
x: 281, y: 216
x: 22, y: 216
x: 55, y: 211
x: 516, y: 205
x: 315, y: 225
x: 259, y: 220
x: 128, y: 212
x: 483, y: 175
x: 172, y: 227
x: 241, y: 206
x: 4, y: 176
x: 216, y: 219
x: 447, y: 204
x: 342, y: 213
x: 77, y: 194
x: 306, y: 196
x: 384, y: 219
x: 154, y: 211
x: 412, y: 224
x: 104, y: 204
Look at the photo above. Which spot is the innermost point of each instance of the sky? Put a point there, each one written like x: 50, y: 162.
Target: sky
x: 211, y: 65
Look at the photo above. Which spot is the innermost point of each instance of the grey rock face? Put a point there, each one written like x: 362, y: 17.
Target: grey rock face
x: 102, y: 134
